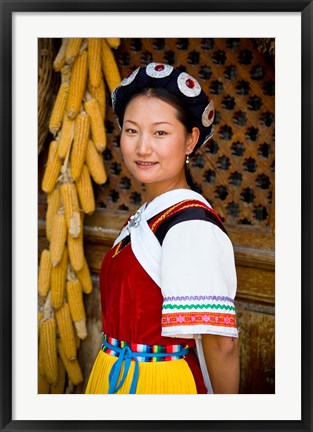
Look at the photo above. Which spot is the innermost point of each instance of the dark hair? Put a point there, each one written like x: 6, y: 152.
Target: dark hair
x: 183, y: 114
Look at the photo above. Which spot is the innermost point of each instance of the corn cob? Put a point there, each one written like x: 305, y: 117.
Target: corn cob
x: 58, y: 388
x: 77, y: 85
x: 75, y: 300
x: 72, y: 367
x: 76, y: 251
x: 72, y: 49
x: 58, y: 108
x: 94, y: 61
x: 52, y: 169
x: 59, y: 60
x: 109, y: 67
x: 77, y: 308
x: 81, y: 136
x: 41, y: 368
x: 58, y: 237
x: 84, y: 278
x: 66, y: 330
x: 44, y: 273
x: 113, y: 42
x: 39, y: 318
x: 95, y: 164
x: 97, y: 126
x: 58, y: 281
x: 85, y: 191
x: 71, y: 206
x: 53, y: 200
x: 66, y: 136
x: 48, y: 338
x: 66, y: 73
x: 43, y: 384
x: 100, y: 95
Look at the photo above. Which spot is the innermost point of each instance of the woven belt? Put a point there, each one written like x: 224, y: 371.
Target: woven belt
x: 126, y: 352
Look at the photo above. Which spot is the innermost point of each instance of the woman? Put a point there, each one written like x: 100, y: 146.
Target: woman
x: 168, y: 284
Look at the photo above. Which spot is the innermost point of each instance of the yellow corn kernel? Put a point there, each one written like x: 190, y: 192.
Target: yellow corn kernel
x: 77, y: 85
x: 97, y: 126
x: 48, y: 342
x: 58, y: 237
x: 81, y: 136
x: 113, y: 42
x: 43, y: 384
x: 95, y: 164
x: 75, y: 300
x: 59, y: 60
x: 58, y: 281
x: 66, y: 330
x: 72, y: 49
x: 44, y: 273
x: 84, y: 278
x: 85, y: 191
x: 53, y: 200
x: 109, y: 67
x: 94, y: 61
x: 66, y: 136
x: 58, y: 108
x: 52, y: 169
x: 59, y: 387
x: 99, y: 93
x: 72, y: 367
x: 76, y: 251
x: 71, y: 206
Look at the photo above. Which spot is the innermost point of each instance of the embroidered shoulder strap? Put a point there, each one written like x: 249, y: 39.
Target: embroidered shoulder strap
x: 181, y: 212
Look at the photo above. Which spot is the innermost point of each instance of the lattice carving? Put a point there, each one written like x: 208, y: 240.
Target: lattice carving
x: 235, y: 171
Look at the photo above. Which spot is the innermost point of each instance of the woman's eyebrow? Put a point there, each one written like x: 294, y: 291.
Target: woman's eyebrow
x: 155, y: 123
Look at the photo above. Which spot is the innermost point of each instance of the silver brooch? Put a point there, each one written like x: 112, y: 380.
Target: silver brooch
x: 188, y: 85
x: 134, y: 220
x: 130, y: 77
x: 208, y: 115
x: 158, y: 70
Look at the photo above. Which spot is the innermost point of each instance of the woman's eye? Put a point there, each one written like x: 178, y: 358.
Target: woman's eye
x: 130, y: 131
x: 160, y: 133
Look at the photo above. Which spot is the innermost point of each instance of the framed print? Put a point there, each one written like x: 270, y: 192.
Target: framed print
x: 283, y: 401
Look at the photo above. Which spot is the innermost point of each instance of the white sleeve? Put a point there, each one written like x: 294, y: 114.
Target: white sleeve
x: 198, y: 281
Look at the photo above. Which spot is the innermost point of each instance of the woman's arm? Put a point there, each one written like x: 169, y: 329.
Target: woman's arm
x: 221, y: 355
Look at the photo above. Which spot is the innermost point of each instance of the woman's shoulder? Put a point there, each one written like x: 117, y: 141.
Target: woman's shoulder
x: 191, y: 209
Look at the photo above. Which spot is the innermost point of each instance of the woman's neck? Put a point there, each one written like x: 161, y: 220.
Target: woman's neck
x: 154, y: 190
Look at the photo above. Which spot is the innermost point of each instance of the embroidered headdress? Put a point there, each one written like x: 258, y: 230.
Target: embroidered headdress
x: 182, y: 85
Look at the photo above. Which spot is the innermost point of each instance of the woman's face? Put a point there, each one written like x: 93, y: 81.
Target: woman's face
x: 154, y: 143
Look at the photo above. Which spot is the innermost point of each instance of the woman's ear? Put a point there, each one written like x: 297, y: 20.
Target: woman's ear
x: 192, y: 140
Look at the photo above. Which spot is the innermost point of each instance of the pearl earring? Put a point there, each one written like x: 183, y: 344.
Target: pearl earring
x: 187, y: 159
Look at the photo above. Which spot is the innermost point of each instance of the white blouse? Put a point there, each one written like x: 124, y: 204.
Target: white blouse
x: 198, y: 281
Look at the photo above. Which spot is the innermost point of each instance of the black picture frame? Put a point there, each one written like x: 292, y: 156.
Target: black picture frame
x: 8, y: 7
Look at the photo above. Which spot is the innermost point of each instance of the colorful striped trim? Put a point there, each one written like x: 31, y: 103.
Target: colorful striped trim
x: 198, y: 318
x: 189, y: 298
x: 198, y: 306
x: 144, y: 349
x: 186, y: 204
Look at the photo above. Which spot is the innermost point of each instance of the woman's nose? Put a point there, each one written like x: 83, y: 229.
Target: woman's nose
x: 144, y: 145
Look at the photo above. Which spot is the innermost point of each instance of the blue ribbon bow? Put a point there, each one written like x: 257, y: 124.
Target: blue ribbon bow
x: 125, y: 355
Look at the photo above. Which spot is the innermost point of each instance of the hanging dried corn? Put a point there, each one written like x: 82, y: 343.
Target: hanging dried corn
x: 87, y: 70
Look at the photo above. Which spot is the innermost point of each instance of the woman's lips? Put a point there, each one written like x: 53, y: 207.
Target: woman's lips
x: 145, y: 164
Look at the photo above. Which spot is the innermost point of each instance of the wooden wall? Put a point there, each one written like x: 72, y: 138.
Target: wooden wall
x: 235, y: 172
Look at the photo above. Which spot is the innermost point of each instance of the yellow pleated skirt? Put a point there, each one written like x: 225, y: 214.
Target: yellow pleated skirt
x: 163, y: 377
